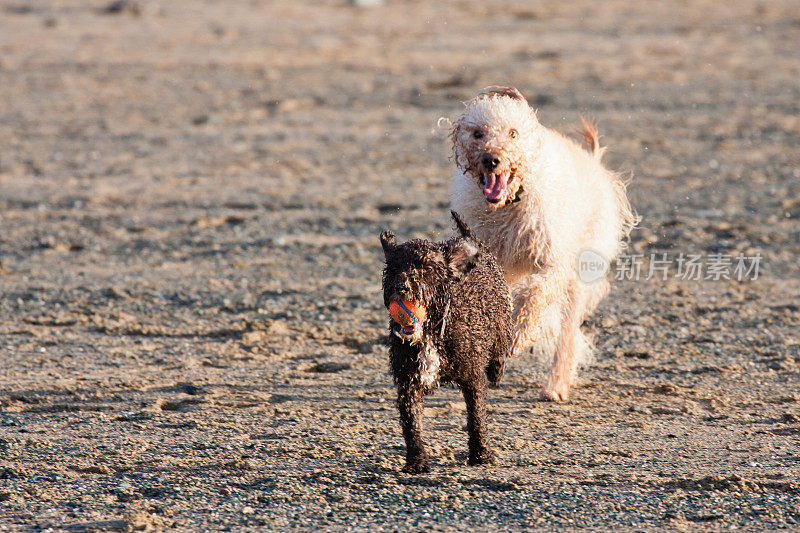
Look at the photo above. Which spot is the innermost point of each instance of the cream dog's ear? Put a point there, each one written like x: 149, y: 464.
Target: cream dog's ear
x: 455, y: 131
x: 498, y: 90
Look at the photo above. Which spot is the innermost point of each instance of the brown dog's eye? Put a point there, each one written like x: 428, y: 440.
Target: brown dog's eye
x: 513, y: 133
x: 478, y: 134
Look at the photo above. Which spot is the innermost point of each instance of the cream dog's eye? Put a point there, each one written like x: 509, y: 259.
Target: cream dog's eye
x: 513, y: 133
x: 478, y: 134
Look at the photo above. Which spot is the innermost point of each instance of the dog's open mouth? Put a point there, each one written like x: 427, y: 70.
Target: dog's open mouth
x: 407, y: 333
x: 495, y: 186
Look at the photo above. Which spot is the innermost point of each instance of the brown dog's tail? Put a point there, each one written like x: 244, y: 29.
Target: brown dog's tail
x: 463, y: 229
x: 592, y: 137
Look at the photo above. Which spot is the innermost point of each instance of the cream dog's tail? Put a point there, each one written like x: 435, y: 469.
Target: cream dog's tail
x: 592, y: 137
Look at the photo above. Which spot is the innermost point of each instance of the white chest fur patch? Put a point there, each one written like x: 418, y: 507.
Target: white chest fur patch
x: 429, y: 365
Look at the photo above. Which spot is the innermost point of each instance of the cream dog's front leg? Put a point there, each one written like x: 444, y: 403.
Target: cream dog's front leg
x: 532, y: 298
x: 569, y: 348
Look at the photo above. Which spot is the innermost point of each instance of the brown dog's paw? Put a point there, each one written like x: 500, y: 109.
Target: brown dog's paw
x: 484, y: 457
x: 418, y: 466
x: 495, y: 372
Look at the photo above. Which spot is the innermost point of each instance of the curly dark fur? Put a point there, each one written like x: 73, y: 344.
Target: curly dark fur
x: 464, y: 339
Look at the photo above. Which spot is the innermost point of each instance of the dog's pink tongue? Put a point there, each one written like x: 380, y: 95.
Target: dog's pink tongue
x: 494, y: 186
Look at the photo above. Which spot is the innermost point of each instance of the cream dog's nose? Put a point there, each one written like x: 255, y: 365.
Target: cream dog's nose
x: 490, y: 161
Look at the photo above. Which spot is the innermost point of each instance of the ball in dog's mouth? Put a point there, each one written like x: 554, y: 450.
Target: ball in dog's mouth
x: 407, y: 316
x: 495, y: 186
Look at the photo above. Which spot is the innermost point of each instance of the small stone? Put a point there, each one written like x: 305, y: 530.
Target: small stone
x: 252, y: 338
x: 141, y: 521
x: 191, y: 389
x: 291, y: 104
x: 329, y: 367
x: 790, y: 418
x: 123, y: 6
x: 609, y: 322
x: 94, y: 469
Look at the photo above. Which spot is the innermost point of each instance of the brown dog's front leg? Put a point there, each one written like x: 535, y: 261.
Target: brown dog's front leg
x: 410, y: 403
x: 475, y: 398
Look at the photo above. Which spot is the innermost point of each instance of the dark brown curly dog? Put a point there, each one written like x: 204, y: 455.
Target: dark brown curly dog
x: 463, y: 338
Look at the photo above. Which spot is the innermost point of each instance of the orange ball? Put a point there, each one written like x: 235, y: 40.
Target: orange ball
x: 406, y: 312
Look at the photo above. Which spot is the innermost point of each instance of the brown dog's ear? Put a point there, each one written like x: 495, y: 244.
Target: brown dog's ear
x: 498, y: 90
x: 387, y: 241
x: 461, y: 257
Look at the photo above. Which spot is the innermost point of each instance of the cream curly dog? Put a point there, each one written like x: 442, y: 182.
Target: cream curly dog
x: 539, y: 200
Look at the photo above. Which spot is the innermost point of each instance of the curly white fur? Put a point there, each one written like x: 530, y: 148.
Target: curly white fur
x: 559, y: 200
